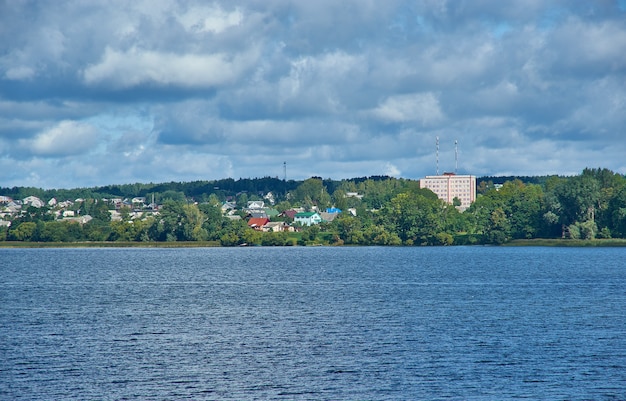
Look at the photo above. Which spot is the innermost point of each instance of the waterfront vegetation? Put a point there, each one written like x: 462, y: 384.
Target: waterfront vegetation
x: 587, y: 209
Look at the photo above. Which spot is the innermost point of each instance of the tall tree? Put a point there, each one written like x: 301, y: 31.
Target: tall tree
x: 415, y: 219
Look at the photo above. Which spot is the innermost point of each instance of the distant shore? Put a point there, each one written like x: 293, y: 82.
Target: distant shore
x: 558, y: 242
x: 555, y: 242
x: 111, y: 244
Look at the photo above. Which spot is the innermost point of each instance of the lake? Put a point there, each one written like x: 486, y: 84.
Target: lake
x: 316, y: 323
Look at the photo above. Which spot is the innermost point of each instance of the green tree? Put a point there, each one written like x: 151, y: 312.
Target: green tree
x: 54, y: 231
x: 610, y: 184
x: 414, y: 218
x: 252, y: 237
x: 283, y: 205
x: 242, y: 201
x: 97, y: 231
x: 578, y: 197
x: 498, y: 229
x: 348, y: 228
x: 100, y: 211
x: 523, y: 205
x: 379, y: 235
x: 125, y: 213
x: 340, y: 200
x: 617, y: 209
x: 169, y: 226
x: 312, y: 192
x: 22, y: 232
x: 37, y: 213
x: 192, y: 224
x: 233, y: 232
x: 213, y: 219
x: 123, y: 230
x: 173, y: 196
x: 444, y: 239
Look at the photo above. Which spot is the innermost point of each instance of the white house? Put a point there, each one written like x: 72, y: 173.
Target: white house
x: 33, y: 201
x: 256, y: 204
x: 307, y: 218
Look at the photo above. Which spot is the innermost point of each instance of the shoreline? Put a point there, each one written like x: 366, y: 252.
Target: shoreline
x: 109, y: 244
x: 539, y: 242
x: 565, y: 243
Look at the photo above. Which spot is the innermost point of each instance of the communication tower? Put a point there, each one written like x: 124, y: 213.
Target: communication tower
x: 456, y: 156
x: 437, y: 155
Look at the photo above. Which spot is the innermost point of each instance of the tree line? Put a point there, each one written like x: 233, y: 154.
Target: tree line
x: 390, y: 211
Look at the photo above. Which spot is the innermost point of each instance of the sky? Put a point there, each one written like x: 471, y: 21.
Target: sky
x: 112, y: 92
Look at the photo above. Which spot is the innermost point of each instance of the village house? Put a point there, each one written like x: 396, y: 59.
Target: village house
x: 257, y: 223
x: 33, y: 201
x: 277, y: 226
x: 252, y: 205
x: 270, y: 198
x: 307, y: 218
x: 80, y: 219
x: 328, y: 216
x: 228, y: 206
x: 353, y: 195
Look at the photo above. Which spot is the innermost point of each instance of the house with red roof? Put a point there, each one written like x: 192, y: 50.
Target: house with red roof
x: 258, y: 222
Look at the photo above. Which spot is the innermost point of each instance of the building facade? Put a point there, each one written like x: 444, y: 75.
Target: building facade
x: 449, y: 186
x: 307, y: 218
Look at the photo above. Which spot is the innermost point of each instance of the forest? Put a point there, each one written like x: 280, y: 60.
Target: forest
x: 389, y: 211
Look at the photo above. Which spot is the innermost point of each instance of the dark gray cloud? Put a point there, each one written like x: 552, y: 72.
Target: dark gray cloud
x: 97, y: 92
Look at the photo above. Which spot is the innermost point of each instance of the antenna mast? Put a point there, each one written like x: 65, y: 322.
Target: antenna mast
x: 456, y: 156
x: 284, y: 171
x: 437, y: 155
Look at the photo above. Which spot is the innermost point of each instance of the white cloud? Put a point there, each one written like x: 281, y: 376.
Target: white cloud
x: 210, y: 19
x: 581, y: 45
x: 419, y: 107
x: 64, y: 139
x: 137, y: 66
x: 179, y: 90
x: 391, y: 170
x: 19, y: 73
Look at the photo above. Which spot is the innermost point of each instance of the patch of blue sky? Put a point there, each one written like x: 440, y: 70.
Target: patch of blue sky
x: 407, y: 21
x: 423, y: 24
x: 116, y: 124
x: 552, y: 18
x: 621, y: 4
x: 113, y: 126
x: 501, y: 29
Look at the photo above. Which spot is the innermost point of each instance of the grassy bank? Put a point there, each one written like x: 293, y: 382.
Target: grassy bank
x: 611, y: 242
x: 555, y: 242
x: 175, y: 244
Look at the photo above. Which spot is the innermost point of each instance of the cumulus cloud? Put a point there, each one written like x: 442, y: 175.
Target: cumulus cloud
x: 598, y: 48
x: 211, y: 18
x: 20, y: 72
x: 136, y: 67
x: 422, y: 108
x: 66, y: 138
x: 196, y: 90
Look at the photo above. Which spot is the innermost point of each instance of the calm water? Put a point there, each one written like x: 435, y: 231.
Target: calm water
x: 461, y: 323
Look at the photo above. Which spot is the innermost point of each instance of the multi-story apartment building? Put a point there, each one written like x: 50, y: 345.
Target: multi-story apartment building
x: 449, y: 186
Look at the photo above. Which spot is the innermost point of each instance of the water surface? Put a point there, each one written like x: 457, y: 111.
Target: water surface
x: 462, y: 323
